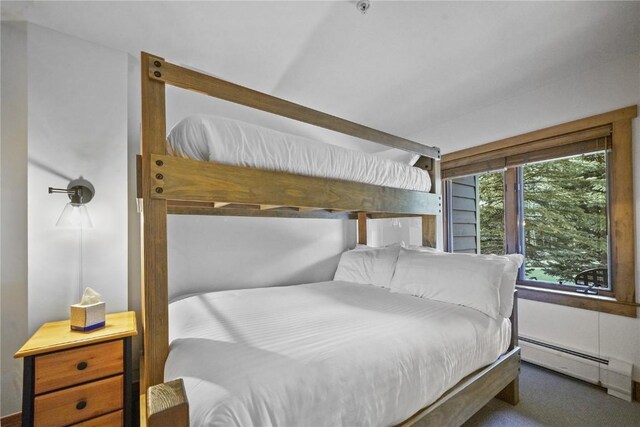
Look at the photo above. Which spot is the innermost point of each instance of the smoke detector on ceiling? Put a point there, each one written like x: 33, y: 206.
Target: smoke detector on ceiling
x: 363, y: 6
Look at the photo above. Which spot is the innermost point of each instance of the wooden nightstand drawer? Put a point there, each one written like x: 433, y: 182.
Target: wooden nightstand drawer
x: 113, y: 419
x: 70, y: 367
x: 79, y: 403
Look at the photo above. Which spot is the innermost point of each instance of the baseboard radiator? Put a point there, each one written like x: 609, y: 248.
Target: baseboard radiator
x: 610, y: 373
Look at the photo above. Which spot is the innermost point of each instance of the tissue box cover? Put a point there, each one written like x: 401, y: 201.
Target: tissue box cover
x: 87, y: 317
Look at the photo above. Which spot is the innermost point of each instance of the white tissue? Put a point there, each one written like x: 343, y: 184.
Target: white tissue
x: 89, y: 313
x: 89, y: 296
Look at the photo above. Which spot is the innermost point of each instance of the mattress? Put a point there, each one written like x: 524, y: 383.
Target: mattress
x: 322, y: 354
x: 222, y: 140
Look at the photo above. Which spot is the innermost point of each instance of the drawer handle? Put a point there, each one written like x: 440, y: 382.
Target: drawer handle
x: 82, y: 366
x: 81, y: 405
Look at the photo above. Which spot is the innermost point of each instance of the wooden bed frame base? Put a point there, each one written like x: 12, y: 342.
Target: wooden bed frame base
x: 500, y: 379
x: 166, y: 404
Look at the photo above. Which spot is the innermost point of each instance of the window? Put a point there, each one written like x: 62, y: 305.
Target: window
x: 562, y: 197
x: 475, y: 212
x: 564, y: 221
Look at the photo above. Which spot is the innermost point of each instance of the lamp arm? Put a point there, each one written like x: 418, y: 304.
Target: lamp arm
x: 79, y: 193
x: 61, y: 190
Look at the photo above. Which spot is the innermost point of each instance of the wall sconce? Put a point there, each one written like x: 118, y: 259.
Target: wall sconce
x: 75, y: 213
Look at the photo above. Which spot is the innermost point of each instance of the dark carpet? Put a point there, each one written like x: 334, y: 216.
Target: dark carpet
x: 548, y: 398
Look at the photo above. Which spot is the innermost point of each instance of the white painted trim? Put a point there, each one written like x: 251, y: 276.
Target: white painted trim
x: 615, y: 377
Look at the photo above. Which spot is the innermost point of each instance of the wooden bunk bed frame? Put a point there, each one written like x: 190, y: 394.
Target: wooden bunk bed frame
x: 173, y: 185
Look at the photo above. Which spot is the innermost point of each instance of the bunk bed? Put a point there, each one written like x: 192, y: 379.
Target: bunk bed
x: 169, y: 184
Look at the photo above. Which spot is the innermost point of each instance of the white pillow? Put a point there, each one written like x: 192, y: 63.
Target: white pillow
x: 370, y: 266
x: 512, y: 263
x: 454, y: 278
x: 508, y: 280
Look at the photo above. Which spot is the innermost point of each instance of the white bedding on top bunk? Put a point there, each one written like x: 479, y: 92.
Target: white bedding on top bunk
x: 322, y: 354
x: 222, y: 140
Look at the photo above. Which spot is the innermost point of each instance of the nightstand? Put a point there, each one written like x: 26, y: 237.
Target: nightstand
x: 79, y: 378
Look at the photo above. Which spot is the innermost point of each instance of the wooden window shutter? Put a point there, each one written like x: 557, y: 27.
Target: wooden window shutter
x: 512, y: 152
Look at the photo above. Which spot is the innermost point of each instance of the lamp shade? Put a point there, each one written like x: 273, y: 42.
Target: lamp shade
x: 74, y: 216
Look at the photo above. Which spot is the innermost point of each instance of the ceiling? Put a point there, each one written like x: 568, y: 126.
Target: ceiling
x: 403, y: 67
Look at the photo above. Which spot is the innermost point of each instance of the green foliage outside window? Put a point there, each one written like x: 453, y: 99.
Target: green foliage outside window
x: 491, y: 203
x: 565, y: 217
x: 565, y: 213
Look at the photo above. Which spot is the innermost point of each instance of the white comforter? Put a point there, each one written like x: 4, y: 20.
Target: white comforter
x: 322, y: 354
x: 222, y: 140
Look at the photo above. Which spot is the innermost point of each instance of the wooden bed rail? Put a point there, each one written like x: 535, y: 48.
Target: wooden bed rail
x: 174, y: 178
x: 185, y: 78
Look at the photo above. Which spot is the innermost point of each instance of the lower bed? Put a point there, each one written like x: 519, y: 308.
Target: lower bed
x: 329, y: 353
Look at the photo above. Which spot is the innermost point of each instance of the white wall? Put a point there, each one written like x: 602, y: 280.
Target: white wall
x: 66, y: 117
x: 13, y: 207
x: 214, y: 253
x: 77, y: 128
x: 610, y: 86
x: 407, y: 231
x: 134, y: 111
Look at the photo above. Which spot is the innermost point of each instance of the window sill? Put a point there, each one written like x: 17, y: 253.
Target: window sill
x: 573, y: 299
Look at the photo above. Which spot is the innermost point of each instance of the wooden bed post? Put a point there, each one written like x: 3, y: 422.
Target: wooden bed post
x: 154, y: 233
x: 430, y: 236
x: 511, y: 393
x: 362, y: 228
x: 429, y: 231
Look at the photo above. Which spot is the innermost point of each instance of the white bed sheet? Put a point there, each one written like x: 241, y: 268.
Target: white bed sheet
x: 222, y: 140
x: 322, y: 354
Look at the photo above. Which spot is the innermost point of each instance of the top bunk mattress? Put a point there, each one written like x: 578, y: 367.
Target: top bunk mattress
x: 227, y: 141
x: 322, y: 354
